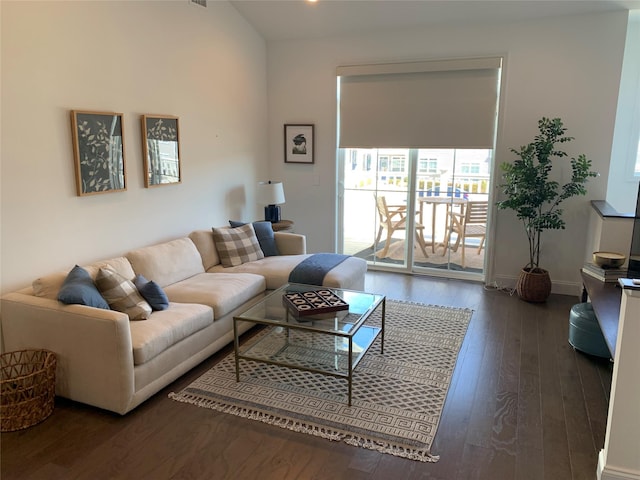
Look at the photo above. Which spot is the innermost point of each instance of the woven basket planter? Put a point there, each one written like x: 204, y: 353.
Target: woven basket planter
x: 28, y: 388
x: 534, y: 285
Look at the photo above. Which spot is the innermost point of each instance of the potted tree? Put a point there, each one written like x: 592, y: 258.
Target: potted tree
x: 536, y: 199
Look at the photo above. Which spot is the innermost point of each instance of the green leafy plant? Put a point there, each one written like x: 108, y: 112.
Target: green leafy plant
x: 531, y: 194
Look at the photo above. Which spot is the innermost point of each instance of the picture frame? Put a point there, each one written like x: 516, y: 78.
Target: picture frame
x: 299, y: 143
x: 98, y: 152
x: 161, y: 150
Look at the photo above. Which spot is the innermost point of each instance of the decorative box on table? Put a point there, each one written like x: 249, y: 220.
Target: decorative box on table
x: 314, y: 302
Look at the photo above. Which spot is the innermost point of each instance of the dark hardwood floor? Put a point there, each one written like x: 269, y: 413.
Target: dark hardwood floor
x: 522, y: 405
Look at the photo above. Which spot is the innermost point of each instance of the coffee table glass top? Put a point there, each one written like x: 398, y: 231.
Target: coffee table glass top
x: 272, y: 311
x: 331, y: 343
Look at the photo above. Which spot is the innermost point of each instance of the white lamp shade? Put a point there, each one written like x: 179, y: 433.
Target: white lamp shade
x: 270, y: 193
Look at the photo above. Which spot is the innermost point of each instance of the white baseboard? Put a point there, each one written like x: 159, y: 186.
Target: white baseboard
x: 561, y: 288
x: 607, y: 472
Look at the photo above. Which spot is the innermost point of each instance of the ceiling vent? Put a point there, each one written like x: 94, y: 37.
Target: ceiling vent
x: 202, y: 3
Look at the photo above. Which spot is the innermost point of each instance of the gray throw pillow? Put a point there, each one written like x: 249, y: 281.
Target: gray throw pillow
x: 79, y: 288
x: 152, y: 293
x: 264, y: 233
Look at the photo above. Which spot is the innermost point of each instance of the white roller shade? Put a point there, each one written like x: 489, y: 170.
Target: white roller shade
x: 440, y: 104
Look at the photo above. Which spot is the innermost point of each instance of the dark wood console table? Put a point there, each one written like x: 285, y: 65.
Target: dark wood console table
x: 605, y: 299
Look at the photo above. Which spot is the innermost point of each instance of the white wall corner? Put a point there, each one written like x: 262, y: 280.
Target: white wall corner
x: 608, y: 472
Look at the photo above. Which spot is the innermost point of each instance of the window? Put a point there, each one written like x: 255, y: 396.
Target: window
x: 428, y: 118
x: 427, y: 165
x: 470, y: 168
x: 398, y: 164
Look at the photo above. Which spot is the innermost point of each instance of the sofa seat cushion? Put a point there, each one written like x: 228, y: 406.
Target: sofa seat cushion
x: 168, y: 262
x: 275, y: 270
x: 349, y: 274
x: 167, y: 327
x: 224, y: 292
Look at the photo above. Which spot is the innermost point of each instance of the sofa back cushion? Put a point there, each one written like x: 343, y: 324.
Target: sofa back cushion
x: 167, y: 263
x: 203, y: 240
x: 49, y: 285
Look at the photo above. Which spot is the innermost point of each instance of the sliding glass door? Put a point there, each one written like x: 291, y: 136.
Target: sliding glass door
x: 406, y: 208
x: 416, y: 146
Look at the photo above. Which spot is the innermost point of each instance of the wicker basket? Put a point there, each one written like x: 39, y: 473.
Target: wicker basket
x: 534, y: 285
x: 27, y: 391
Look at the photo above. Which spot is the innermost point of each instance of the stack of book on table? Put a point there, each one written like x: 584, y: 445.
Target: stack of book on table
x: 609, y: 275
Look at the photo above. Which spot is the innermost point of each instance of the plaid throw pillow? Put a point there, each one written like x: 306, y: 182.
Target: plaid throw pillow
x: 237, y: 245
x: 122, y: 295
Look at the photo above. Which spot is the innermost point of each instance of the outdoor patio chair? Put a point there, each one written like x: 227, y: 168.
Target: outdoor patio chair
x: 471, y: 223
x: 393, y: 218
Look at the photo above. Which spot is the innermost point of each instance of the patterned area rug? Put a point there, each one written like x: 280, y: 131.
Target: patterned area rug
x: 398, y: 396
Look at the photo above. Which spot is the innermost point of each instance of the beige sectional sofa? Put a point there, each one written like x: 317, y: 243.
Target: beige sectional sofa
x: 108, y: 361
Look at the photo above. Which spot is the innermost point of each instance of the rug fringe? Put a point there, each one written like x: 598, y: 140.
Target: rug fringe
x: 398, y: 451
x: 432, y: 305
x: 263, y: 417
x: 302, y: 427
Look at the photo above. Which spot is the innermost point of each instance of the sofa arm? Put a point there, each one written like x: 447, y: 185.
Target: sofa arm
x: 291, y: 243
x: 93, y: 347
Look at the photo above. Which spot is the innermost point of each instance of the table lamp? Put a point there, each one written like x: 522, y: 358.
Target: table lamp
x: 271, y: 194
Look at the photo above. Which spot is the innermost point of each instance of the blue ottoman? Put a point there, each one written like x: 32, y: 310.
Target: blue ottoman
x: 584, y: 331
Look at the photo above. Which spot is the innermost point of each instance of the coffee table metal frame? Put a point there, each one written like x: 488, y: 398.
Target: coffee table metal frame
x: 330, y: 343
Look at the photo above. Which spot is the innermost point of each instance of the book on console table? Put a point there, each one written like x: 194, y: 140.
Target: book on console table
x: 314, y: 302
x: 608, y: 275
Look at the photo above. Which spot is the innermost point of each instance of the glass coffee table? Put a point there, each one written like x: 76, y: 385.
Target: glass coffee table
x: 331, y: 343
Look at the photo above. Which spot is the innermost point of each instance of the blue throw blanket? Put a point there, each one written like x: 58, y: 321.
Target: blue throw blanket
x: 311, y: 271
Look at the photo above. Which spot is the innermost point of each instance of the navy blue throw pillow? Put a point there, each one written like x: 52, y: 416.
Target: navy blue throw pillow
x: 264, y: 233
x: 79, y: 288
x: 152, y: 293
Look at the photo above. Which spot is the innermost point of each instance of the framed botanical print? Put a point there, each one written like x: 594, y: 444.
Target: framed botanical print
x: 98, y: 151
x: 298, y: 143
x: 161, y: 150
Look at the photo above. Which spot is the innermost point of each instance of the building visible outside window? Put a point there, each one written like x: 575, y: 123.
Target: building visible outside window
x: 398, y: 164
x: 428, y: 165
x: 470, y: 168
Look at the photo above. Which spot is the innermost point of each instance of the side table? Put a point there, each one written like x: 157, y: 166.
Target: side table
x: 283, y: 226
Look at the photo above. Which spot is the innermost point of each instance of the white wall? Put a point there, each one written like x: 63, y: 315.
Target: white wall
x: 207, y: 66
x: 567, y: 67
x: 622, y: 191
